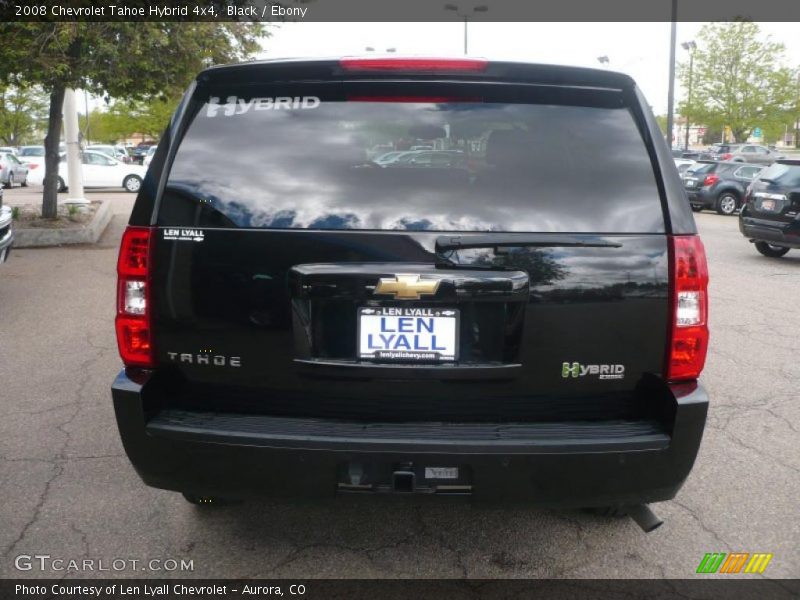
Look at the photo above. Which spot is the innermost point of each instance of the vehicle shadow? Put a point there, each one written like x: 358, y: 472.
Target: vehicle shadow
x: 396, y: 537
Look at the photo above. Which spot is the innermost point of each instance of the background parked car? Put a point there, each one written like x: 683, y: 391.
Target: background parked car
x: 684, y: 164
x: 12, y: 170
x: 8, y: 150
x: 100, y: 170
x: 720, y: 186
x: 769, y: 216
x: 443, y: 159
x: 116, y: 152
x: 717, y: 151
x: 33, y: 156
x: 140, y: 151
x: 750, y: 153
x: 148, y: 158
x: 685, y: 153
x: 386, y: 158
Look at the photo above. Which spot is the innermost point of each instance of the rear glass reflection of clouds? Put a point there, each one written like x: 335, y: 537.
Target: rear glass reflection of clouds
x: 497, y: 167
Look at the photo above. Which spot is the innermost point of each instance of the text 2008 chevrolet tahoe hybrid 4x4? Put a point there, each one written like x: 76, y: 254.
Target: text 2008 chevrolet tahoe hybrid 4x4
x: 524, y: 324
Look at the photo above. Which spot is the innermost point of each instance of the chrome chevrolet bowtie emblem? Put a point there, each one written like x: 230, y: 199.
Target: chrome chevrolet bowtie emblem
x: 406, y: 287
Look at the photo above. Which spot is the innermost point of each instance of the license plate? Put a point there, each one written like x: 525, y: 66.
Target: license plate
x: 401, y: 334
x: 689, y: 182
x: 768, y: 204
x: 441, y: 472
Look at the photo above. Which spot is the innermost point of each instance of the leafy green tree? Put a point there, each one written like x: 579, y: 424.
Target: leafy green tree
x: 124, y: 118
x: 739, y: 80
x: 118, y: 59
x: 22, y: 112
x: 713, y: 134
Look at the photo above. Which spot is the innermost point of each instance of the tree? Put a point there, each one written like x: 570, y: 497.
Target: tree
x: 713, y: 134
x: 662, y: 123
x: 739, y: 80
x: 22, y: 112
x: 119, y: 59
x: 124, y: 118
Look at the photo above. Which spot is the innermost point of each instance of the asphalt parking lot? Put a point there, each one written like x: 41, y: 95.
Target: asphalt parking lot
x: 69, y: 491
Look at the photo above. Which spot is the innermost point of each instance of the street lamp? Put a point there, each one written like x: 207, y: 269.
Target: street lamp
x: 475, y: 9
x: 671, y: 89
x: 603, y: 60
x: 690, y: 47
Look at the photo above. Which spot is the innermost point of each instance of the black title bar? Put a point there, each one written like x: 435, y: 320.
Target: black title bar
x: 401, y: 10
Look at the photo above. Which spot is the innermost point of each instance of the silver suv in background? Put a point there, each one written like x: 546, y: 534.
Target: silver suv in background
x: 749, y: 153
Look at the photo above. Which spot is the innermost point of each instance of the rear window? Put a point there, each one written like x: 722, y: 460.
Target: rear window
x: 704, y: 168
x: 720, y: 149
x: 32, y: 152
x: 782, y: 174
x: 411, y: 163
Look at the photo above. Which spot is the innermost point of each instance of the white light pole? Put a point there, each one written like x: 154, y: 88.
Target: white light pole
x: 74, y: 174
x: 475, y: 9
x: 690, y: 47
x: 671, y: 90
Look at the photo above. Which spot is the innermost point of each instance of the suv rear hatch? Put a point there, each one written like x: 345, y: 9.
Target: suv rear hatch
x: 774, y: 196
x: 295, y: 274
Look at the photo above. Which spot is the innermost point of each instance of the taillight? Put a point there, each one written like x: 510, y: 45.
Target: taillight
x: 133, y: 322
x: 726, y: 156
x: 688, y: 344
x: 710, y: 180
x: 413, y: 64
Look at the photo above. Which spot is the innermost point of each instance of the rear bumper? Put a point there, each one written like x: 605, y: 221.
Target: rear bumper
x: 701, y: 197
x: 774, y: 232
x: 546, y: 464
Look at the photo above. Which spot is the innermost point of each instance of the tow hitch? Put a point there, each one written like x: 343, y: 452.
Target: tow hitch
x: 404, y: 478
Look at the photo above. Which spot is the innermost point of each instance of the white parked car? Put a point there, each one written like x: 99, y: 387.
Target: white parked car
x: 33, y: 156
x: 684, y: 164
x: 116, y: 152
x: 100, y: 170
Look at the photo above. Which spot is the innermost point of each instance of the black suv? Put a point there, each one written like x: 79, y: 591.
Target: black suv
x: 770, y: 217
x: 140, y: 151
x: 524, y: 325
x: 720, y: 186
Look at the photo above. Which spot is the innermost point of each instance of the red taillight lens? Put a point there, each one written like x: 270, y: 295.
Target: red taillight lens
x: 688, y: 342
x: 727, y: 156
x: 710, y: 180
x: 413, y: 64
x: 133, y: 322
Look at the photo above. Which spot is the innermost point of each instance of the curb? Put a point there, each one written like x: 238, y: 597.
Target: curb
x: 88, y: 234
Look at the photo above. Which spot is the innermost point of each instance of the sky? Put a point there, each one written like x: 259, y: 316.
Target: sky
x: 638, y: 49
